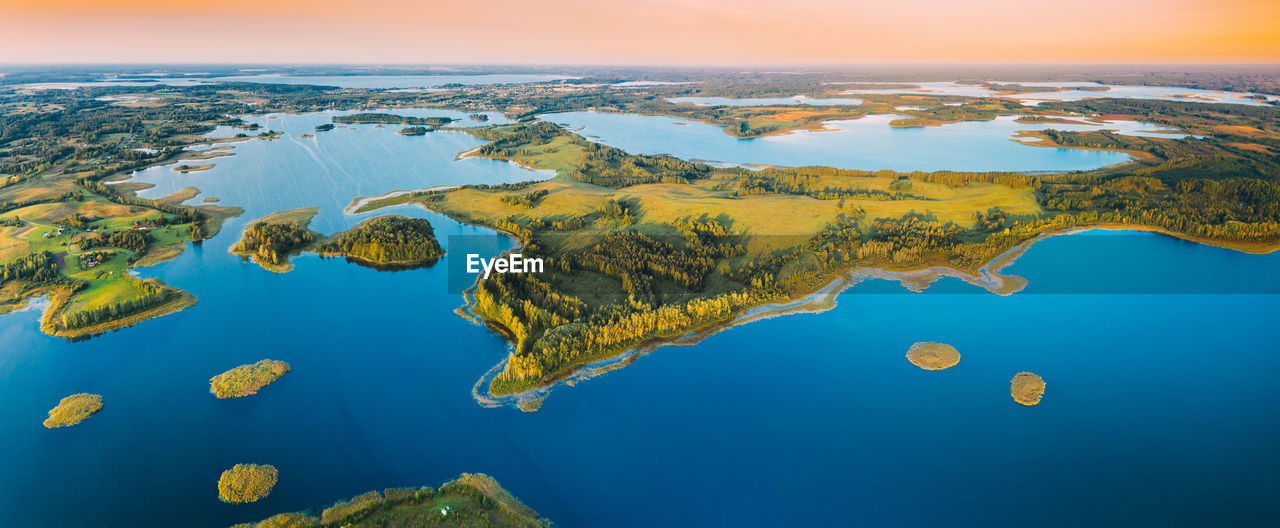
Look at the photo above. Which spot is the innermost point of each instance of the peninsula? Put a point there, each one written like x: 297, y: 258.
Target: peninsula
x: 688, y: 246
x: 470, y: 500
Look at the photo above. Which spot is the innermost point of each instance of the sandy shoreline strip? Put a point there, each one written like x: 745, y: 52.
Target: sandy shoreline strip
x: 361, y: 201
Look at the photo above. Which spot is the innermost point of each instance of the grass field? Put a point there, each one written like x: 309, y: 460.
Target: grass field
x: 106, y: 283
x: 770, y: 214
x: 300, y: 217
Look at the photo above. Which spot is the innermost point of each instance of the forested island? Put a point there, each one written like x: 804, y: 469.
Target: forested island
x: 245, y: 380
x: 391, y: 119
x: 73, y: 409
x: 247, y: 482
x: 387, y: 242
x: 271, y: 240
x: 470, y: 500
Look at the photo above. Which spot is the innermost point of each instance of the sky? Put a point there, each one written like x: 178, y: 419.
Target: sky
x: 651, y: 32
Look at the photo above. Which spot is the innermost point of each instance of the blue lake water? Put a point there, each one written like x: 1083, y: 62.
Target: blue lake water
x: 868, y: 143
x: 1165, y: 93
x: 331, y: 168
x: 1160, y: 408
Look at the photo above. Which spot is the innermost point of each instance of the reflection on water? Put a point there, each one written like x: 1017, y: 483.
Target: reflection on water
x: 1167, y: 93
x: 868, y: 143
x: 766, y: 101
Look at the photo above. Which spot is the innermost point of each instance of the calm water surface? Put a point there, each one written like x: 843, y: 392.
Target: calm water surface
x: 1166, y: 93
x: 766, y: 101
x: 1160, y: 407
x: 868, y: 143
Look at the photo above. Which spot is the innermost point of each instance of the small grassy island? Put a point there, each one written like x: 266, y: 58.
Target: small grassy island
x: 73, y: 409
x: 387, y: 242
x: 273, y: 239
x: 184, y: 168
x: 1027, y: 388
x: 412, y: 131
x: 933, y: 356
x: 247, y: 483
x: 245, y: 380
x: 471, y: 500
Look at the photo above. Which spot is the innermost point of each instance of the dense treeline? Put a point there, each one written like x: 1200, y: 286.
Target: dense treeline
x: 660, y: 282
x: 388, y: 240
x: 135, y: 240
x: 599, y: 165
x: 36, y: 267
x: 1241, y: 209
x: 525, y: 200
x: 828, y: 183
x: 272, y: 243
x: 391, y: 119
x: 611, y: 167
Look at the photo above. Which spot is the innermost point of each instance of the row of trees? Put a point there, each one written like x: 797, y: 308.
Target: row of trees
x: 391, y: 119
x: 36, y: 267
x: 151, y: 295
x: 134, y: 240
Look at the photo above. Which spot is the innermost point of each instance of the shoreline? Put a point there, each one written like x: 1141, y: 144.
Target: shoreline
x: 821, y: 125
x: 821, y: 300
x: 181, y: 301
x: 359, y: 202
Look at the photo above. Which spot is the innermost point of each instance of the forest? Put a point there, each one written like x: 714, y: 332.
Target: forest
x: 37, y: 267
x: 274, y: 242
x: 599, y: 164
x: 387, y: 241
x: 472, y: 499
x: 391, y: 119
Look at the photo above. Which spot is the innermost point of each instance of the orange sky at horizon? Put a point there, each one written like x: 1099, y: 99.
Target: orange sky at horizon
x: 639, y: 31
